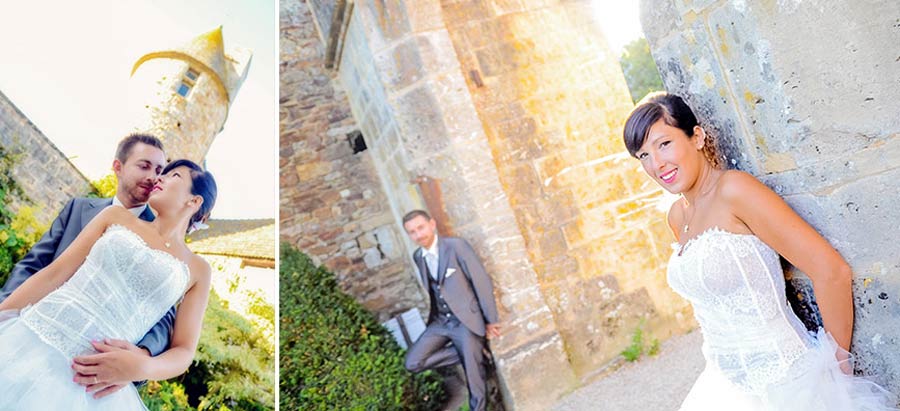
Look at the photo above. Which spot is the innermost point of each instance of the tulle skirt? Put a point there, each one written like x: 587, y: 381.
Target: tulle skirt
x: 815, y: 382
x: 36, y: 376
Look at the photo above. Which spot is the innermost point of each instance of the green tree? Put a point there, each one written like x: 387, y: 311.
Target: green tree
x: 334, y: 354
x: 106, y: 186
x: 640, y: 70
x: 233, y: 369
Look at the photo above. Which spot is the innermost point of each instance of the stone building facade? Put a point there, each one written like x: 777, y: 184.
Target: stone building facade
x: 804, y: 95
x: 46, y: 175
x: 183, y: 95
x: 332, y: 205
x: 503, y: 119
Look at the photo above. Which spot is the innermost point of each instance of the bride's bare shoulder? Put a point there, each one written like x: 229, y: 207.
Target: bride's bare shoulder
x: 736, y: 184
x: 116, y: 215
x: 675, y: 217
x: 201, y: 272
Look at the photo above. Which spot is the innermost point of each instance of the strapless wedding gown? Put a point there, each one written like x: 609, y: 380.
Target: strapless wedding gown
x: 759, y: 356
x: 123, y: 288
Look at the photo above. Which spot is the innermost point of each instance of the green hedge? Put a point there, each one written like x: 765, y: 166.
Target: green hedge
x: 334, y: 354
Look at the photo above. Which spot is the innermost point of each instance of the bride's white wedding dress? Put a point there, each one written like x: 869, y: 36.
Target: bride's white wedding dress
x: 759, y: 356
x: 123, y: 288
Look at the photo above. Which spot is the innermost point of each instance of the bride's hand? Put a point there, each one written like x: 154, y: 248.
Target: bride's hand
x: 843, y: 358
x: 116, y: 365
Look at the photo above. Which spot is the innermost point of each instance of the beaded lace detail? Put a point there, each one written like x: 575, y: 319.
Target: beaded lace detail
x: 123, y: 288
x: 736, y: 286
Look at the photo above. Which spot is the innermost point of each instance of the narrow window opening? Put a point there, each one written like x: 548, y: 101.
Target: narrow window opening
x: 184, y: 89
x: 357, y: 142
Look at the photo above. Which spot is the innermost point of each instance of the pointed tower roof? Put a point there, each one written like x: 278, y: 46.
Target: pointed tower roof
x: 208, y: 48
x: 206, y: 53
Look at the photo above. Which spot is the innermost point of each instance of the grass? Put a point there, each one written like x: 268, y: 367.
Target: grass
x: 639, y: 346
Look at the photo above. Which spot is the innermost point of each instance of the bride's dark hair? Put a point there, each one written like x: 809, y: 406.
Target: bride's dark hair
x: 202, y: 184
x: 674, y: 112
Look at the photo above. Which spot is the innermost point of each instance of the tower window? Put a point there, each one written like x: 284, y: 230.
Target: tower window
x: 184, y: 89
x: 187, y: 82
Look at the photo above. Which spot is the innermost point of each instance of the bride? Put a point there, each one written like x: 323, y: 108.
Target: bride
x: 119, y: 277
x: 730, y: 230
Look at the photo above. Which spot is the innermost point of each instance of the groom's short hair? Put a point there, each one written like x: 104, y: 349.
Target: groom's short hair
x: 416, y: 213
x: 127, y: 143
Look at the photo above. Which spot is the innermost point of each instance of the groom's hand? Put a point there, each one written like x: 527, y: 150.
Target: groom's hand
x: 118, y: 364
x: 492, y: 330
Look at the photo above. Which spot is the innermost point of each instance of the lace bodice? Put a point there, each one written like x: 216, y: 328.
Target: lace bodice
x: 123, y: 288
x: 736, y: 286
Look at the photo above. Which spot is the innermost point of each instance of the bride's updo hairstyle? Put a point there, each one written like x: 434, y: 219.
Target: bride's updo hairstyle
x: 202, y: 184
x: 674, y: 112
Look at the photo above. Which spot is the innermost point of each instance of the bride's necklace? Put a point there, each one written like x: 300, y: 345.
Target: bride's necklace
x: 686, y: 204
x: 168, y: 244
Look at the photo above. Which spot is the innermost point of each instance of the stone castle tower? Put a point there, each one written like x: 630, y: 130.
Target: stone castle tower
x: 184, y: 94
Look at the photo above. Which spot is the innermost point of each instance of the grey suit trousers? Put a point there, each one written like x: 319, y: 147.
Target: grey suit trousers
x: 431, y: 351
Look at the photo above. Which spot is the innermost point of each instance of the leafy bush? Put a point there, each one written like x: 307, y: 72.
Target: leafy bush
x: 233, y: 368
x: 20, y: 230
x: 106, y: 186
x: 233, y: 362
x: 334, y: 354
x: 17, y: 237
x: 165, y: 396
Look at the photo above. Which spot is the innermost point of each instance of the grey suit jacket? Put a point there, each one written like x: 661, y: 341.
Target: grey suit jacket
x: 463, y: 282
x: 70, y: 221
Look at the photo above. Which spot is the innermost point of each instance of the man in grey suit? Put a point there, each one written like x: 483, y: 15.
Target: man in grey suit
x: 463, y: 311
x: 139, y: 160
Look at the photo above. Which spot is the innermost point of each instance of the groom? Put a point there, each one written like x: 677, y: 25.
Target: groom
x: 462, y: 312
x: 139, y: 160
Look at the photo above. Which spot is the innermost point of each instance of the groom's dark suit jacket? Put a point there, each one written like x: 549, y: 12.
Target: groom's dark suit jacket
x: 463, y: 282
x: 70, y: 221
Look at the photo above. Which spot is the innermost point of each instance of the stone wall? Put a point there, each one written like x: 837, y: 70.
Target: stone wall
x: 804, y: 95
x: 414, y: 108
x: 552, y: 100
x: 332, y: 205
x: 43, y: 172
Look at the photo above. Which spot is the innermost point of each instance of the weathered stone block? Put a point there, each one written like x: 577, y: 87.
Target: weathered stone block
x: 539, y: 367
x: 497, y: 59
x: 372, y: 257
x: 422, y: 129
x: 425, y: 15
x: 461, y: 12
x: 400, y: 65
